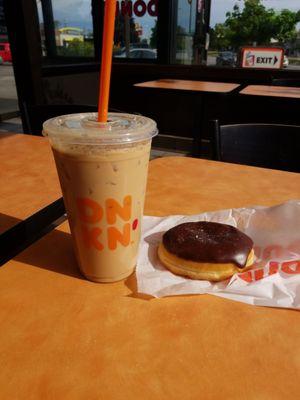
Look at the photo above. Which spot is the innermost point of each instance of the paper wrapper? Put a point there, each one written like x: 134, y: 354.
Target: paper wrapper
x: 273, y: 281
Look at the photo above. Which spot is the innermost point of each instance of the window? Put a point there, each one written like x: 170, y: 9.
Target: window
x: 212, y: 32
x: 3, y: 30
x: 66, y: 28
x: 190, y: 32
x: 271, y: 23
x: 199, y: 32
x: 136, y: 29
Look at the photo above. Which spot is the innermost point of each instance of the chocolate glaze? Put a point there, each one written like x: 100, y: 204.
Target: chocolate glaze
x: 209, y: 242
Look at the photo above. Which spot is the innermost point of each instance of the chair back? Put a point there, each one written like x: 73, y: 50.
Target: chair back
x: 36, y: 115
x: 286, y: 82
x: 261, y: 145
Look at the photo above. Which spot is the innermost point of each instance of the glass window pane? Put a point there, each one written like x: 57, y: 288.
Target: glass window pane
x: 136, y: 29
x: 271, y: 23
x: 3, y: 30
x: 184, y: 51
x: 66, y: 28
x: 212, y: 32
x: 189, y: 34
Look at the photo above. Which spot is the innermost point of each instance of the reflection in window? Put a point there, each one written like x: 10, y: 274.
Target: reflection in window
x: 271, y: 23
x: 212, y: 32
x: 136, y: 29
x: 66, y: 28
x: 190, y: 31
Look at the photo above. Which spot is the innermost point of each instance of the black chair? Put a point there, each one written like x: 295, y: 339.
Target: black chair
x: 35, y: 115
x: 261, y: 145
x: 286, y: 82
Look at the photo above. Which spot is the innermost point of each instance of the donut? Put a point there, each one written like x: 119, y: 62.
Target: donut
x: 206, y: 250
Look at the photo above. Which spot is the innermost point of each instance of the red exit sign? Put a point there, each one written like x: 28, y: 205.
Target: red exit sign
x: 262, y: 57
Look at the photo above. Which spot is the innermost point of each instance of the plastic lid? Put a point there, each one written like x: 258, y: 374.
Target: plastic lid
x: 84, y: 128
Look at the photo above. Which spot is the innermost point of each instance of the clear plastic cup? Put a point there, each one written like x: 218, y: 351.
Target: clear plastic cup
x: 102, y: 169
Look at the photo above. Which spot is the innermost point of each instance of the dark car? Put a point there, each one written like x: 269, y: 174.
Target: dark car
x: 138, y: 53
x: 226, y: 59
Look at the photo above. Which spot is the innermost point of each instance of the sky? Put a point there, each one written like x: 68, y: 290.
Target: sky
x: 220, y: 7
x: 77, y: 13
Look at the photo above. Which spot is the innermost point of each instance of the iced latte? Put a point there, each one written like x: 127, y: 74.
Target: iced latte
x: 103, y: 170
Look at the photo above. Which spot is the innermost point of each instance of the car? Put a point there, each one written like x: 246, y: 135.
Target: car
x: 1, y: 60
x: 139, y: 53
x: 5, y: 52
x: 226, y: 59
x: 285, y: 63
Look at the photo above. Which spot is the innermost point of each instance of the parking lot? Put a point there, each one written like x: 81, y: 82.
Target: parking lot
x: 7, y: 82
x: 9, y: 108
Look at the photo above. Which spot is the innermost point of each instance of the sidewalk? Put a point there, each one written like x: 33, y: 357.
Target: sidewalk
x: 13, y: 125
x: 9, y: 108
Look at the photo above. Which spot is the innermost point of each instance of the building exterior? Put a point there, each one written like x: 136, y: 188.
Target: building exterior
x: 68, y: 34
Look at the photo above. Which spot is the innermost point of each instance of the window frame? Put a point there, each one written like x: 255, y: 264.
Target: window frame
x: 97, y: 10
x: 97, y: 7
x: 23, y: 34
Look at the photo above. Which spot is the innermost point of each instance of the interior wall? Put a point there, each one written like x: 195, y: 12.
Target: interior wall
x: 71, y: 89
x: 179, y: 114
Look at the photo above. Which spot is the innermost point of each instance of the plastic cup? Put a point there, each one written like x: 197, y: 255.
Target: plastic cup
x: 102, y: 169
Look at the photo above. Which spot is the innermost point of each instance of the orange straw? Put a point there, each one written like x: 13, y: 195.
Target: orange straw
x: 106, y: 61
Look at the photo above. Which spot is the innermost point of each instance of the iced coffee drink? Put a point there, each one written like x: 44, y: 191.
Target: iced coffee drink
x: 103, y: 170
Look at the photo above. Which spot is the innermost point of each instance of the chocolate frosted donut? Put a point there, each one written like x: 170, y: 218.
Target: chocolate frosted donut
x: 206, y: 250
x: 208, y: 242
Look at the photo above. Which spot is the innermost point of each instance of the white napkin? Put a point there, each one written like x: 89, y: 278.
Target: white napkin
x: 274, y: 279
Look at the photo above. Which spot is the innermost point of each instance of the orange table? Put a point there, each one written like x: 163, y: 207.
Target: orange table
x: 272, y: 91
x: 28, y: 179
x: 63, y: 337
x: 194, y: 86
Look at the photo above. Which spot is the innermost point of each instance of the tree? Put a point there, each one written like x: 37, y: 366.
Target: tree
x: 180, y: 38
x: 120, y: 34
x: 77, y: 48
x: 153, y: 37
x: 285, y: 25
x: 255, y: 25
x: 218, y: 37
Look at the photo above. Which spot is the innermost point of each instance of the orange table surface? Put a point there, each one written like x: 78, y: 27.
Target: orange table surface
x: 195, y: 86
x: 63, y: 337
x: 28, y: 179
x: 271, y: 91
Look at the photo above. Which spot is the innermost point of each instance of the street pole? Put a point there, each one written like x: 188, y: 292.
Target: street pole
x: 49, y: 28
x: 201, y: 31
x: 127, y: 31
x: 190, y: 21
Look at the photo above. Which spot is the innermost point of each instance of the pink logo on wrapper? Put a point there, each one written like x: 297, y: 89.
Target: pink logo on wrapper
x: 271, y: 253
x: 289, y: 267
